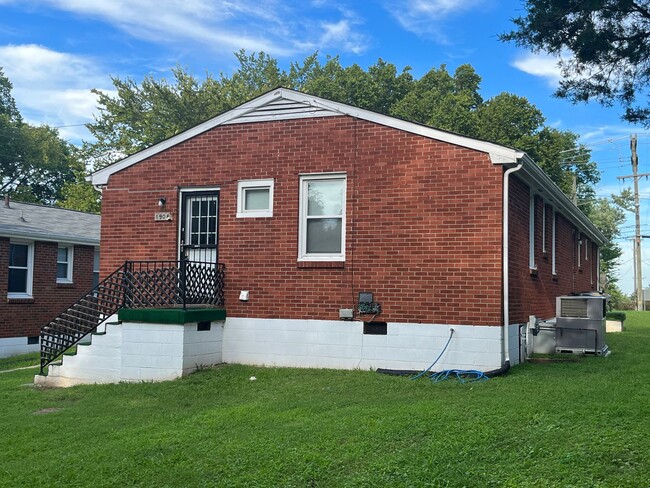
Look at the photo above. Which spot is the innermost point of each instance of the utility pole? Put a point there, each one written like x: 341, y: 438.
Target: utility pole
x: 638, y: 280
x: 574, y: 189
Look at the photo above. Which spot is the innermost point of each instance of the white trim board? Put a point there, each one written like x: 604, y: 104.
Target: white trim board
x: 272, y: 106
x: 286, y: 104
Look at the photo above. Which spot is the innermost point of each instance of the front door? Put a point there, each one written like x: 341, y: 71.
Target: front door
x: 200, y: 226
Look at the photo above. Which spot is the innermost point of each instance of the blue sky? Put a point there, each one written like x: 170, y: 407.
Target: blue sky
x: 55, y: 51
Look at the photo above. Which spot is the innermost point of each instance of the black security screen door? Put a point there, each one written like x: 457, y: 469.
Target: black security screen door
x: 200, y: 226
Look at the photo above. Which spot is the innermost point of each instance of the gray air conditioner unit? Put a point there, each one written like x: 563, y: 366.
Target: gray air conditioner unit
x: 580, y: 324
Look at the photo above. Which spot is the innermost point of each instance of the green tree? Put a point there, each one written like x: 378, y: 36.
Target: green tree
x: 443, y: 101
x: 34, y: 161
x: 608, y: 217
x: 80, y: 195
x: 140, y: 115
x: 604, y: 49
x: 377, y: 89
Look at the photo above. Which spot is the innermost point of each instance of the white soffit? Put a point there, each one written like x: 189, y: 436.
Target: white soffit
x: 284, y: 104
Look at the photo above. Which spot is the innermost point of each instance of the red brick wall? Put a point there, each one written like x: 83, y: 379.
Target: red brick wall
x: 534, y: 294
x: 24, y: 317
x: 423, y: 220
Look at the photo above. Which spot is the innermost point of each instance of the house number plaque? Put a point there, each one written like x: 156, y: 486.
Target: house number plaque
x: 161, y: 216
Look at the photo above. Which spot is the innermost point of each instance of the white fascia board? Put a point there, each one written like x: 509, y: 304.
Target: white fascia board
x: 101, y: 177
x: 498, y: 154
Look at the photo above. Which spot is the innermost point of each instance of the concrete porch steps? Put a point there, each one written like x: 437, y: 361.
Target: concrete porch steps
x: 137, y: 351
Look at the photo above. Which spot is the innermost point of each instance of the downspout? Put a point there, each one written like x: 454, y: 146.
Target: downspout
x: 506, y: 297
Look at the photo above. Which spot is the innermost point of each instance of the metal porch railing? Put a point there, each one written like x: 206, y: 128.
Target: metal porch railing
x: 135, y: 284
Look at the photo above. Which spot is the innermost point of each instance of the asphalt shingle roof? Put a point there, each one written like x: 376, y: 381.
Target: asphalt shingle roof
x: 39, y: 222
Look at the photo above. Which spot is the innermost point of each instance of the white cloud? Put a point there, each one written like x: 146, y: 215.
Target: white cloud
x: 340, y: 34
x: 277, y: 27
x: 53, y: 87
x: 425, y: 17
x: 541, y: 65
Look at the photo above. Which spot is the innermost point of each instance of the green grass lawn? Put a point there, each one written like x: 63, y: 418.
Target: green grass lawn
x: 583, y: 424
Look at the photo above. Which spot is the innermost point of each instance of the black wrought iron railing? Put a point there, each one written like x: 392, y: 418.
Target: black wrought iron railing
x: 135, y: 284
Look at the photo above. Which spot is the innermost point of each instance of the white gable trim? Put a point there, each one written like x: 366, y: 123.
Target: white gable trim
x: 284, y: 104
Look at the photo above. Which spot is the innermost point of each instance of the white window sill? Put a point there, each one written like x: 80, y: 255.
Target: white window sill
x: 321, y: 258
x: 19, y: 296
x: 260, y: 214
x: 63, y: 281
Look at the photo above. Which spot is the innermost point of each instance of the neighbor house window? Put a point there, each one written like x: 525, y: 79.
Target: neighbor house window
x: 64, y: 264
x: 255, y: 198
x: 322, y: 217
x: 586, y: 249
x: 96, y: 267
x: 21, y: 269
x: 531, y: 233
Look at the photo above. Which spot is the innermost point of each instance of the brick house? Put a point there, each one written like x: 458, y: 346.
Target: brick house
x: 314, y: 205
x: 48, y: 256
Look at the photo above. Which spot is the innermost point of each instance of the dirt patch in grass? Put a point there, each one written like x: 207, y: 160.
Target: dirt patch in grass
x: 44, y: 411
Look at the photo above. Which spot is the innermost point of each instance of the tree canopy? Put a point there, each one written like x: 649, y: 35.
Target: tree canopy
x: 604, y: 46
x: 35, y: 162
x: 142, y: 114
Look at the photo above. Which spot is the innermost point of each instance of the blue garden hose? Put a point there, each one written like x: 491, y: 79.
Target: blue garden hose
x: 462, y: 375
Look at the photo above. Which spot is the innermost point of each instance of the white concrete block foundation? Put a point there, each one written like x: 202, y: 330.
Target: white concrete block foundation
x: 138, y: 351
x: 13, y: 346
x: 133, y: 351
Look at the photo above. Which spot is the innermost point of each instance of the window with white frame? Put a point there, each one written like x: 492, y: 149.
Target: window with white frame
x: 96, y: 267
x: 322, y: 217
x: 543, y: 227
x: 21, y: 269
x: 531, y: 233
x: 553, y: 244
x: 255, y: 198
x: 579, y: 250
x: 586, y: 249
x: 64, y: 260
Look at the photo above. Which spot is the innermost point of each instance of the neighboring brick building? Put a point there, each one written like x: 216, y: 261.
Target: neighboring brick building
x: 48, y: 258
x: 309, y: 202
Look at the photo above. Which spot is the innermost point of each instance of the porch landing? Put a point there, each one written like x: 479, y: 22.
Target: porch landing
x: 143, y: 345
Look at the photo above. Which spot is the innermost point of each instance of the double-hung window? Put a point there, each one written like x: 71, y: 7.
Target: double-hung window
x: 95, y: 267
x: 531, y: 233
x: 64, y: 260
x: 322, y: 217
x: 21, y: 269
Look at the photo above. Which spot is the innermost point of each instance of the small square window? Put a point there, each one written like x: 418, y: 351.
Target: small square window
x: 64, y: 261
x: 255, y: 198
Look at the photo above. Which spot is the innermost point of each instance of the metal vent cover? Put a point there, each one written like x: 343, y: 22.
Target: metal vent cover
x: 573, y: 308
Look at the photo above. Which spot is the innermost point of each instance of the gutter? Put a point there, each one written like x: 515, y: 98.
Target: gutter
x: 506, y: 293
